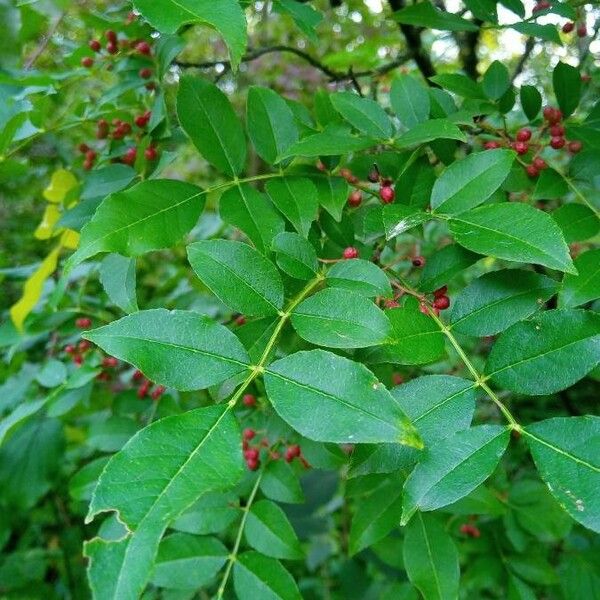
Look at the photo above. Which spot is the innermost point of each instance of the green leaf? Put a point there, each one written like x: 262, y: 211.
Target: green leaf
x: 363, y: 114
x: 410, y: 100
x: 485, y: 10
x: 209, y: 120
x: 566, y: 451
x: 416, y: 183
x: 333, y: 194
x: 424, y: 14
x: 549, y: 185
x: 212, y: 513
x: 496, y: 80
x: 531, y: 101
x: 415, y: 339
x: 584, y: 287
x: 434, y: 129
x: 253, y: 213
x: 577, y: 222
x: 398, y: 218
x: 513, y: 231
x: 280, y: 483
x: 271, y: 124
x: 340, y: 319
x: 117, y: 275
x: 471, y: 181
x: 226, y: 16
x: 376, y: 515
x: 444, y: 265
x: 360, y: 276
x: 453, y: 467
x: 304, y: 15
x: 332, y: 141
x: 549, y: 33
x: 152, y: 215
x: 180, y: 349
x: 566, y: 81
x: 496, y: 300
x: 201, y: 453
x: 431, y: 558
x: 295, y: 255
x: 563, y: 345
x: 296, y: 198
x: 352, y: 407
x: 459, y: 84
x: 438, y: 405
x: 257, y: 576
x: 269, y: 531
x: 188, y: 562
x: 238, y: 275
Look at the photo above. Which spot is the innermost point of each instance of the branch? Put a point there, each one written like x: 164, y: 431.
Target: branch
x: 529, y: 45
x: 331, y: 74
x: 45, y: 41
x: 467, y: 48
x: 415, y: 46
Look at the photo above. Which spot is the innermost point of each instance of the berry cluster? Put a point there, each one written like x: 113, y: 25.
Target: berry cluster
x: 440, y: 302
x: 145, y: 387
x: 252, y: 453
x: 569, y: 26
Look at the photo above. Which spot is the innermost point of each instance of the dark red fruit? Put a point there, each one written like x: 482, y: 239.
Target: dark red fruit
x: 145, y: 73
x: 69, y: 349
x: 112, y: 47
x: 441, y: 302
x: 397, y: 379
x: 251, y: 454
x: 568, y: 27
x: 78, y: 360
x: 95, y: 45
x: 350, y: 252
x: 83, y: 148
x: 137, y: 375
x: 581, y: 30
x: 142, y: 120
x: 373, y: 175
x: 253, y: 464
x: 470, y: 530
x: 110, y: 35
x: 418, y: 261
x: 248, y: 433
x: 84, y: 345
x: 87, y: 62
x: 355, y: 198
x: 524, y: 135
x: 539, y: 163
x: 492, y: 145
x: 151, y: 153
x: 557, y: 130
x: 292, y: 452
x: 557, y: 142
x: 157, y: 392
x: 575, y: 146
x: 521, y: 147
x: 130, y: 156
x: 83, y: 323
x: 387, y: 194
x: 90, y: 155
x: 440, y: 291
x: 240, y: 320
x: 110, y: 362
x: 143, y: 48
x: 346, y: 173
x: 391, y: 304
x: 142, y: 391
x: 552, y: 115
x: 249, y: 400
x: 532, y: 171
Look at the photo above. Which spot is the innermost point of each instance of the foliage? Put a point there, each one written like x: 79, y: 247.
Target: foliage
x: 331, y: 340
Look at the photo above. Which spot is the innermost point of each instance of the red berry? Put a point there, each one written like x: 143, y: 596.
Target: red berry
x: 83, y: 323
x: 568, y: 27
x: 240, y: 320
x: 249, y: 400
x: 145, y: 73
x: 355, y: 198
x: 142, y: 391
x: 137, y: 375
x: 532, y: 171
x: 373, y: 175
x: 492, y: 145
x: 387, y: 194
x: 84, y: 346
x: 130, y: 156
x: 150, y: 86
x: 440, y: 291
x: 346, y: 173
x: 157, y: 392
x: 397, y: 379
x: 110, y: 361
x: 292, y: 452
x: 83, y: 148
x: 110, y: 35
x: 252, y: 464
x: 248, y: 433
x: 95, y: 45
x: 90, y: 155
x: 251, y: 454
x: 575, y: 146
x: 69, y: 349
x: 350, y: 252
x: 78, y: 360
x: 441, y: 302
x: 141, y: 121
x: 539, y: 163
x: 391, y: 304
x: 521, y: 147
x: 418, y: 261
x: 557, y: 130
x: 143, y: 48
x: 112, y: 47
x: 151, y: 153
x: 552, y: 115
x: 87, y: 62
x: 581, y: 30
x: 524, y: 135
x: 557, y: 142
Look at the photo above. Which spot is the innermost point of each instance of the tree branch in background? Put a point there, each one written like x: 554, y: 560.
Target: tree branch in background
x: 529, y: 45
x: 414, y: 44
x: 467, y: 49
x: 334, y: 76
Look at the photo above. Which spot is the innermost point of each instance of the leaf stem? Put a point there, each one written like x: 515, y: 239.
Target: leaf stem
x: 238, y: 539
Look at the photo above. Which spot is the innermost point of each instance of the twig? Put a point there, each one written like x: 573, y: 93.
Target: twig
x: 529, y: 45
x: 45, y: 41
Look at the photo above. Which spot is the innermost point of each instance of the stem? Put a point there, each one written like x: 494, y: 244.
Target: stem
x: 478, y: 377
x: 238, y: 540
